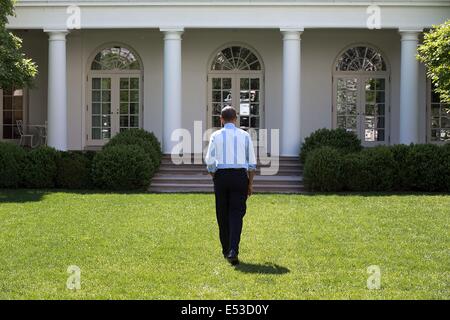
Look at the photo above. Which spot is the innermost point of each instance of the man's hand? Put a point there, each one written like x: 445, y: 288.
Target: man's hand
x: 251, y: 175
x: 250, y: 190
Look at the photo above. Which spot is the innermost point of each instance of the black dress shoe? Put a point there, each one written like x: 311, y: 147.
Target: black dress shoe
x: 232, y: 258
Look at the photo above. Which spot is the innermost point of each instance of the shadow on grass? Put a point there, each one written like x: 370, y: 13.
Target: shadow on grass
x: 18, y: 196
x: 267, y: 268
x: 35, y: 195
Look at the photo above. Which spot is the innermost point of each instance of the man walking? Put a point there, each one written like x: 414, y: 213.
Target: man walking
x: 231, y: 161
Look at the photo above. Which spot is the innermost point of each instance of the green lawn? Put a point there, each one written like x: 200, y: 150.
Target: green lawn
x: 133, y: 246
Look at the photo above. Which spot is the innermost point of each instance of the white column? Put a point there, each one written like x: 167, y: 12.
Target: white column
x: 290, y: 129
x: 409, y: 88
x: 172, y: 110
x: 57, y: 90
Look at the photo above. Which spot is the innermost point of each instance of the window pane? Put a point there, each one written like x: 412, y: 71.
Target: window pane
x: 124, y: 108
x: 254, y: 84
x: 96, y: 96
x: 96, y: 108
x: 124, y: 121
x: 96, y: 121
x: 106, y: 121
x: 7, y: 132
x: 124, y: 83
x: 106, y: 133
x: 217, y: 108
x: 124, y: 97
x: 134, y: 121
x: 216, y: 96
x: 96, y: 133
x: 216, y: 83
x: 106, y: 96
x: 255, y: 122
x: 134, y: 83
x: 95, y: 83
x: 254, y: 109
x: 134, y: 95
x: 7, y: 117
x: 216, y: 122
x: 106, y: 108
x: 106, y: 83
x: 134, y: 108
x: 244, y: 121
x: 245, y: 84
x: 226, y: 83
x: 17, y: 103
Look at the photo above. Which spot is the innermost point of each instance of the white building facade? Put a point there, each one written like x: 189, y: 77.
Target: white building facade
x: 296, y: 66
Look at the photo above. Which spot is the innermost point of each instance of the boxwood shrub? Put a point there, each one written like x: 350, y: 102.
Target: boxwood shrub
x: 323, y: 169
x: 122, y: 167
x: 344, y: 141
x: 369, y: 170
x: 40, y: 168
x: 144, y: 139
x: 426, y: 167
x: 12, y: 159
x: 74, y: 170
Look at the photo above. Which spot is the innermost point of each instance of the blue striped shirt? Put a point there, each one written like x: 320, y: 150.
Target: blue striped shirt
x: 230, y: 148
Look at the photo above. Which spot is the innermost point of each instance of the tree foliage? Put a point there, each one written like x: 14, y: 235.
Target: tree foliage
x: 16, y: 70
x: 435, y: 54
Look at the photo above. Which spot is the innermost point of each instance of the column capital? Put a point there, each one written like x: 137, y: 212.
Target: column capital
x: 172, y: 33
x: 410, y: 34
x: 291, y: 33
x: 57, y: 34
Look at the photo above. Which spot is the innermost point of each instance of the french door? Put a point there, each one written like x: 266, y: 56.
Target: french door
x: 12, y: 109
x: 114, y: 106
x: 241, y: 91
x: 361, y: 106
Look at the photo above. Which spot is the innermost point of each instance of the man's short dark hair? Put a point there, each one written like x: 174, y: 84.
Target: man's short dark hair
x: 228, y: 114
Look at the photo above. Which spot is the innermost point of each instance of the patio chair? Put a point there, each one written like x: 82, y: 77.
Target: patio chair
x: 23, y: 136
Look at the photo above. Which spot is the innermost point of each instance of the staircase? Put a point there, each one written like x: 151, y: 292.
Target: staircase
x: 191, y: 178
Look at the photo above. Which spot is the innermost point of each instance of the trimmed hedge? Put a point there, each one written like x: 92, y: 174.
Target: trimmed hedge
x: 369, y: 170
x: 12, y: 158
x: 122, y: 167
x: 346, y: 142
x: 420, y: 167
x: 74, y: 170
x: 323, y: 169
x: 40, y: 169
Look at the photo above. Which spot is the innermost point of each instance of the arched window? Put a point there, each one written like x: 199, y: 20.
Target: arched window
x: 236, y: 79
x: 115, y: 93
x: 115, y: 58
x: 361, y: 59
x: 236, y: 58
x: 361, y: 86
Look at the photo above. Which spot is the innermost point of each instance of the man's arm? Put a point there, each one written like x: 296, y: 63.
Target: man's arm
x: 210, y: 158
x: 251, y: 161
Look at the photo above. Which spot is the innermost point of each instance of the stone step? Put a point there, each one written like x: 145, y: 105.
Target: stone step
x: 187, y: 170
x: 203, y: 187
x: 201, y: 179
x: 280, y: 164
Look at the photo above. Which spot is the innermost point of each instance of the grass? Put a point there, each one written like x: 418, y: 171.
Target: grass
x: 147, y: 246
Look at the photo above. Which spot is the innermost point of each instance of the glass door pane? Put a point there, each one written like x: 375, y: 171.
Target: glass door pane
x: 221, y: 97
x: 129, y: 103
x: 101, y: 115
x: 374, y: 106
x: 12, y: 112
x: 249, y: 102
x: 347, y: 104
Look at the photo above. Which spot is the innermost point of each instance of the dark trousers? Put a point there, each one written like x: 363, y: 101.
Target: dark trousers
x: 230, y: 189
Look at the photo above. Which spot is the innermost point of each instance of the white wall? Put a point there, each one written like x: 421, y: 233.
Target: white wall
x: 319, y: 50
